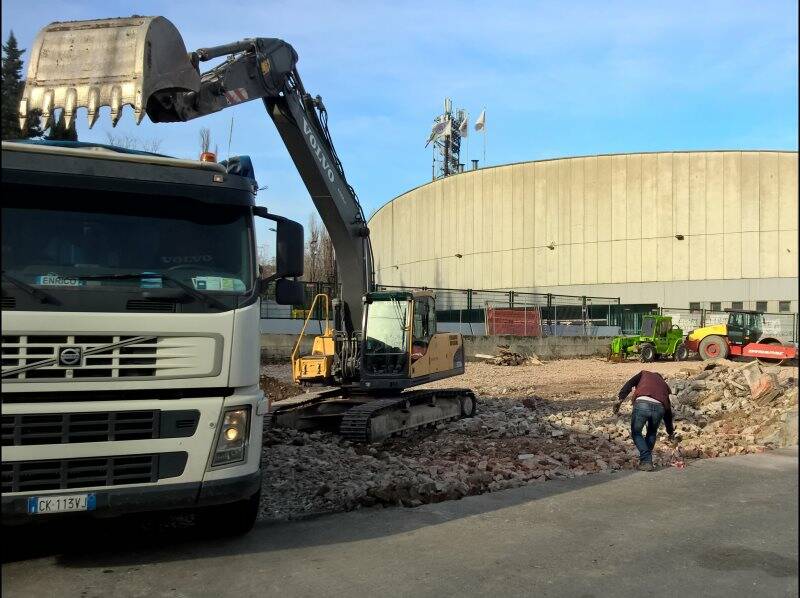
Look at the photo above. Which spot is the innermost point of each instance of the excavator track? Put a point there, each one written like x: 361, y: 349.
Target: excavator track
x: 408, y: 411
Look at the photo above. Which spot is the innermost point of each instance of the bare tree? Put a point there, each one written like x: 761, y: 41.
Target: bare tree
x: 328, y: 258
x: 312, y: 258
x: 126, y: 141
x: 205, y: 139
x: 266, y: 263
x: 320, y: 261
x: 151, y: 145
x: 122, y: 140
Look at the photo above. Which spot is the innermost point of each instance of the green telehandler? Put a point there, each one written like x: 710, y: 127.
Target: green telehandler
x: 659, y: 338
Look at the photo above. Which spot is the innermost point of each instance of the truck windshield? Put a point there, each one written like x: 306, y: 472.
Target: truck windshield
x: 76, y: 240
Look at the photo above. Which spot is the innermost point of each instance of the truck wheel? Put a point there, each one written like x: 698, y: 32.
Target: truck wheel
x: 647, y: 353
x: 228, y: 520
x: 681, y: 353
x: 713, y: 347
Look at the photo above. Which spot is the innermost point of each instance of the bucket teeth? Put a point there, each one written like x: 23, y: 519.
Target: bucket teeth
x: 92, y: 106
x: 106, y: 62
x: 116, y: 105
x: 70, y: 104
x: 23, y: 113
x: 47, y: 109
x: 138, y: 111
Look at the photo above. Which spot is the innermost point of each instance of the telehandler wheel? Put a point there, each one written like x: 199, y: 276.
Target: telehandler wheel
x: 681, y: 353
x: 647, y: 353
x: 713, y: 347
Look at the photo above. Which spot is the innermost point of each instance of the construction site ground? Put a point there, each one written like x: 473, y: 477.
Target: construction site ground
x: 722, y: 527
x: 535, y: 424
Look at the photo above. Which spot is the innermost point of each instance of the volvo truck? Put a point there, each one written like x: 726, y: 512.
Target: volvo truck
x: 130, y: 333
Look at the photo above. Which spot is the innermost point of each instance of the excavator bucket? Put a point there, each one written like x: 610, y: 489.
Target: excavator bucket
x: 107, y: 62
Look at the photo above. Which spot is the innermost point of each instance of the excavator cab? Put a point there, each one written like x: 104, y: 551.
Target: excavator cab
x: 401, y: 345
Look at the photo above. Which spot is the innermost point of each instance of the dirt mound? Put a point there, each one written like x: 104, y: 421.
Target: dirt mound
x: 278, y: 390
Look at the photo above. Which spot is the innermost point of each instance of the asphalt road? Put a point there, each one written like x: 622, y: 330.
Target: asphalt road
x: 722, y: 527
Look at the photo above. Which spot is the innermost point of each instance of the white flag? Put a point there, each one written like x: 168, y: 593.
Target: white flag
x: 480, y: 124
x: 463, y: 128
x: 439, y: 130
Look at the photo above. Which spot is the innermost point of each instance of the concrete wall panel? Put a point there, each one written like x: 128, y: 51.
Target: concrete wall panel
x: 714, y: 187
x: 612, y: 221
x: 787, y: 184
x: 649, y: 260
x: 649, y: 192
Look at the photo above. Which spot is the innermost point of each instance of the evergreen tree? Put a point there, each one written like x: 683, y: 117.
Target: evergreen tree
x: 59, y: 132
x: 11, y: 90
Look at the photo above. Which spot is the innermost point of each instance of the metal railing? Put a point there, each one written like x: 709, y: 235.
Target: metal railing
x: 465, y: 311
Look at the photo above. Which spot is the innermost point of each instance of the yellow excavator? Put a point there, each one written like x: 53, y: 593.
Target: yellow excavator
x: 376, y: 345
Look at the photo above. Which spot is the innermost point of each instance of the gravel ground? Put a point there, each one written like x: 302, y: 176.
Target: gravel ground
x: 592, y: 377
x: 534, y: 423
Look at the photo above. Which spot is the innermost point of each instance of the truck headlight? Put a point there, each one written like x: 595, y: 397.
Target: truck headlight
x: 232, y: 441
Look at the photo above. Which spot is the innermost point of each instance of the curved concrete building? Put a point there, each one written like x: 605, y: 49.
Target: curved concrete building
x: 673, y: 228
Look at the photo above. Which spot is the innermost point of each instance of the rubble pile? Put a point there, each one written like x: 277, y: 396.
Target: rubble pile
x: 505, y: 356
x: 278, y: 390
x: 519, y: 437
x: 731, y: 408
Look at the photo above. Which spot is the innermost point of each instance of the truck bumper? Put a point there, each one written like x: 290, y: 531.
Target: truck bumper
x: 141, y: 499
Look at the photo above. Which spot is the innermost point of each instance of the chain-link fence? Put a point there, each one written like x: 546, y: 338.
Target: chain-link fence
x: 480, y: 312
x: 468, y: 311
x: 465, y: 310
x: 271, y: 310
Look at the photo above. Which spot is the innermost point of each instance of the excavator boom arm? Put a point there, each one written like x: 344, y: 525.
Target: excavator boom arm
x: 152, y: 71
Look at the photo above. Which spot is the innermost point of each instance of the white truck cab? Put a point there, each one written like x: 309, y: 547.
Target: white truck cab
x: 130, y: 333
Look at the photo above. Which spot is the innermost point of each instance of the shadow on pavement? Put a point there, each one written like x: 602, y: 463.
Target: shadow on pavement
x: 153, y: 538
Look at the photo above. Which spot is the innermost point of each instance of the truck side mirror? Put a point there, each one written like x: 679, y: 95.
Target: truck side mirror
x: 289, y: 249
x: 289, y: 292
x: 288, y: 244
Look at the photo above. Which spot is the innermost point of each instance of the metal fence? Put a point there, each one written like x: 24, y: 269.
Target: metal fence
x: 560, y: 315
x: 271, y: 310
x: 464, y: 310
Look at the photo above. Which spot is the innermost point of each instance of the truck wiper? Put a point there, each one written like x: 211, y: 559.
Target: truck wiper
x: 192, y: 292
x: 33, y: 291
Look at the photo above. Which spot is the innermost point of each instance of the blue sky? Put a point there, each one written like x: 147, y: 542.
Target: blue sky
x: 557, y: 79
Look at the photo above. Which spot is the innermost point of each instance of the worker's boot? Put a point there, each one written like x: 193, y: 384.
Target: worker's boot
x: 646, y: 467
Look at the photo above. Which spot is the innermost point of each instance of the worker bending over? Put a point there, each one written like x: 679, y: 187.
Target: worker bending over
x: 650, y: 405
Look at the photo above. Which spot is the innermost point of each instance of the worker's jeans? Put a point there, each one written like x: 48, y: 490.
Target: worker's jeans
x: 644, y: 414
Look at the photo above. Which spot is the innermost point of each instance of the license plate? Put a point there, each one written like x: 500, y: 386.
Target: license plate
x: 42, y: 505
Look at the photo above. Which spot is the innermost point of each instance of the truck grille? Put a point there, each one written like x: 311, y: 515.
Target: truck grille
x: 141, y: 358
x: 98, y: 426
x: 64, y: 474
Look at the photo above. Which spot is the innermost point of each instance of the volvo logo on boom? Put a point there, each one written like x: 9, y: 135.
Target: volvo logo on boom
x: 312, y: 140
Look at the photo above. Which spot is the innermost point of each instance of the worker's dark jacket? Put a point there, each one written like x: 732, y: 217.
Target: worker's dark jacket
x: 650, y: 384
